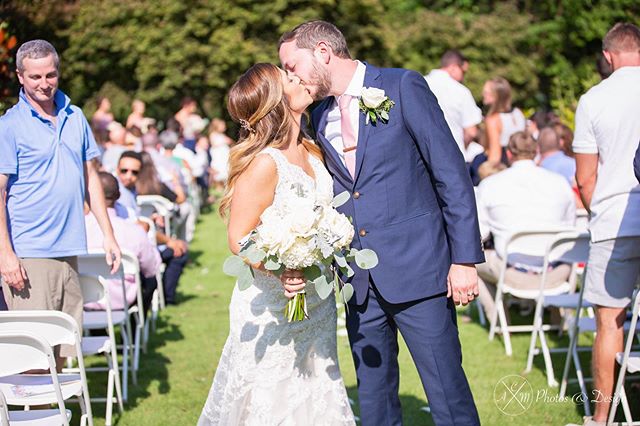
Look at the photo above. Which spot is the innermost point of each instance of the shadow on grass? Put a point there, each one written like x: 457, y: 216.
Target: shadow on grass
x: 153, y: 369
x: 412, y: 409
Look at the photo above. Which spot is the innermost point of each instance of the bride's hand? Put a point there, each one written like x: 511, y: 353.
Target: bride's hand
x: 293, y: 282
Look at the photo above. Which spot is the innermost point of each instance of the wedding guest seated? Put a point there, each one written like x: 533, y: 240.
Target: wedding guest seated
x: 114, y: 147
x: 553, y: 158
x: 129, y: 166
x: 130, y: 237
x: 148, y: 182
x: 523, y: 196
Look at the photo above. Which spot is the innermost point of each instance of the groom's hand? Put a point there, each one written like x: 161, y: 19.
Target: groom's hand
x: 462, y: 283
x: 293, y: 282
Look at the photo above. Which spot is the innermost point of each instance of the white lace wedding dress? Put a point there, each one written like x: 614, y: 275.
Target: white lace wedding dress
x: 273, y: 372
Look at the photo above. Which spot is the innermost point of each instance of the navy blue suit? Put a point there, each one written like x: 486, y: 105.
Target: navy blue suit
x: 413, y: 204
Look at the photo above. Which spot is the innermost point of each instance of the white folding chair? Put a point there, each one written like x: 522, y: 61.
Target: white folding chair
x: 629, y: 363
x: 96, y: 289
x: 150, y: 204
x: 532, y: 242
x: 58, y: 328
x: 47, y: 417
x: 580, y: 325
x: 566, y: 247
x: 23, y: 351
x: 131, y: 266
x: 94, y: 264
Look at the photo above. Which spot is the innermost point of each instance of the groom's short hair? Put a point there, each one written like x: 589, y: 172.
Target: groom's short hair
x: 309, y: 34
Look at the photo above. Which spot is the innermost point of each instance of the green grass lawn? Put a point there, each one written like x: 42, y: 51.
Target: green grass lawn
x: 176, y: 372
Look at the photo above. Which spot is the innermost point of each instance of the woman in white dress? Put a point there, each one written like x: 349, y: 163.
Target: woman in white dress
x: 272, y: 372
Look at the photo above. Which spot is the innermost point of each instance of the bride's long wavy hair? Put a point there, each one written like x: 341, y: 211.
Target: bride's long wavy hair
x: 258, y: 102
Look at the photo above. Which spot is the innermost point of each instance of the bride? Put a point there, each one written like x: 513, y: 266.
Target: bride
x: 272, y: 372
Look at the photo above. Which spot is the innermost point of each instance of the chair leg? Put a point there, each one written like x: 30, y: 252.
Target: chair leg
x: 537, y: 324
x: 504, y: 329
x: 617, y: 394
x: 481, y: 316
x: 581, y: 382
x: 494, y: 315
x: 136, y: 352
x: 548, y: 364
x: 131, y: 349
x: 625, y: 405
x: 125, y: 365
x: 573, y: 333
x: 109, y: 402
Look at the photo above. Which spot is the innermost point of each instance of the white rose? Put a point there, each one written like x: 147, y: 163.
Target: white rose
x: 301, y: 216
x: 272, y: 235
x: 336, y: 228
x: 372, y: 97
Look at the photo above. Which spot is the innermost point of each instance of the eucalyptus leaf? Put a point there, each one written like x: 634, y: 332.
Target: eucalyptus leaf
x: 248, y: 244
x: 255, y: 255
x: 347, y: 292
x: 325, y: 248
x: 385, y: 115
x: 366, y: 259
x: 340, y: 260
x: 350, y: 272
x: 245, y: 279
x: 340, y: 199
x: 323, y: 287
x: 234, y: 266
x: 312, y: 272
x: 271, y: 265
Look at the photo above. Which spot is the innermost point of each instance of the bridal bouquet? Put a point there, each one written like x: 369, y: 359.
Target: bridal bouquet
x: 302, y: 234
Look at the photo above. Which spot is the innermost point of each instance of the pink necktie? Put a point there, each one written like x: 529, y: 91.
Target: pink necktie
x: 348, y: 138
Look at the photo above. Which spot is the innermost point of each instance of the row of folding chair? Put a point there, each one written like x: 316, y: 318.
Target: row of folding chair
x: 27, y: 341
x: 572, y: 247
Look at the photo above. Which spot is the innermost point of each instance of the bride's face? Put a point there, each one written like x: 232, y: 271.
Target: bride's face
x: 297, y: 95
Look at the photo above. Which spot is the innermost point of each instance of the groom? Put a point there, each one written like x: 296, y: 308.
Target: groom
x: 412, y: 203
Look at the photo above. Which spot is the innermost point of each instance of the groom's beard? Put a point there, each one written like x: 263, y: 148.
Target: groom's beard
x: 321, y: 80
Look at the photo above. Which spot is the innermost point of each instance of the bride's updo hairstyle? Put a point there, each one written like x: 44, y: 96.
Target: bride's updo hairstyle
x: 257, y: 101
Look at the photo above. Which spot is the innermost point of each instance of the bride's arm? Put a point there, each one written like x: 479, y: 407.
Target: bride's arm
x: 252, y: 194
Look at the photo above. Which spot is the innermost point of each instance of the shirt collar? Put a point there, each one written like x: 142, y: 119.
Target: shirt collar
x: 437, y: 72
x: 523, y: 164
x: 61, y: 101
x: 357, y: 81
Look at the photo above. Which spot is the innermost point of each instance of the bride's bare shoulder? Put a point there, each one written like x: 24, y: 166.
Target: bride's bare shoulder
x: 262, y: 170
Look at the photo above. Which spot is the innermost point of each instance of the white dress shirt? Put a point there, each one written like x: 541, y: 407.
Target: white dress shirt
x: 607, y: 124
x: 523, y: 196
x: 457, y: 103
x: 333, y: 129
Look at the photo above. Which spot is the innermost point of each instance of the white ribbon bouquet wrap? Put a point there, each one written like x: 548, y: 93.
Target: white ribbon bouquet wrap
x: 303, y: 234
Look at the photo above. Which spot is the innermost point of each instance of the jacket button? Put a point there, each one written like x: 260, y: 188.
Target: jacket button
x: 363, y: 232
x: 356, y: 195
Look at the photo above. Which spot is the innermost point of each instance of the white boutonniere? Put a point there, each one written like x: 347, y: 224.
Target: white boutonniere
x: 375, y: 104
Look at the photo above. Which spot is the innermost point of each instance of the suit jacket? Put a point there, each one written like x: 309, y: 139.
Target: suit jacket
x: 412, y: 200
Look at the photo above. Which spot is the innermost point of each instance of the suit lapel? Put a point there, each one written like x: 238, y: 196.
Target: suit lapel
x: 330, y: 153
x: 371, y: 79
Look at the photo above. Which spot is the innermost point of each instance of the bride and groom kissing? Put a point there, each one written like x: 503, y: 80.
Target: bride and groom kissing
x: 411, y: 202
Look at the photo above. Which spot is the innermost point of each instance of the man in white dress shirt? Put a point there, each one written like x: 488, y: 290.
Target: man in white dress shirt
x: 522, y: 197
x: 606, y: 136
x: 457, y: 103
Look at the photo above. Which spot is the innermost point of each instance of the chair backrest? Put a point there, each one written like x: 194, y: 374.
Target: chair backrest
x: 130, y: 263
x: 154, y: 204
x: 569, y: 247
x: 94, y: 263
x: 22, y: 351
x: 58, y: 328
x: 92, y: 289
x: 151, y: 234
x: 532, y: 242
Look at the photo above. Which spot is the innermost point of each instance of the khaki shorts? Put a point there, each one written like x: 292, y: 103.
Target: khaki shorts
x: 613, y: 270
x: 52, y: 284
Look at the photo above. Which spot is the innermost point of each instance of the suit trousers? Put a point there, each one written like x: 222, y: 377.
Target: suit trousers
x: 429, y: 329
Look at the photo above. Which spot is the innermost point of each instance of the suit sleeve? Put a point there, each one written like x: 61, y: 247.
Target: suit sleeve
x: 425, y: 121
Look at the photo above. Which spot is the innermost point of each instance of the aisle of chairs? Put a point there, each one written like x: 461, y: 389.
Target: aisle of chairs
x: 118, y: 338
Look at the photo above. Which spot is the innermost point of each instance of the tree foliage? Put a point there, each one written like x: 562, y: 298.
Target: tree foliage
x: 162, y: 50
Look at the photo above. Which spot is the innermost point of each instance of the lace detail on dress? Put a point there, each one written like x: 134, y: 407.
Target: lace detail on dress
x: 272, y: 372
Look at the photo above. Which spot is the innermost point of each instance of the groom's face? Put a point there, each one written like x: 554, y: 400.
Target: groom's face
x: 304, y: 64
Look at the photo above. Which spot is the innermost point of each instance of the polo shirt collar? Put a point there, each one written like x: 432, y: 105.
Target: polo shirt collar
x: 62, y: 102
x: 357, y: 81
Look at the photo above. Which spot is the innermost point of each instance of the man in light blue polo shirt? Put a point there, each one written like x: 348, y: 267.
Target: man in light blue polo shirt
x: 45, y: 150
